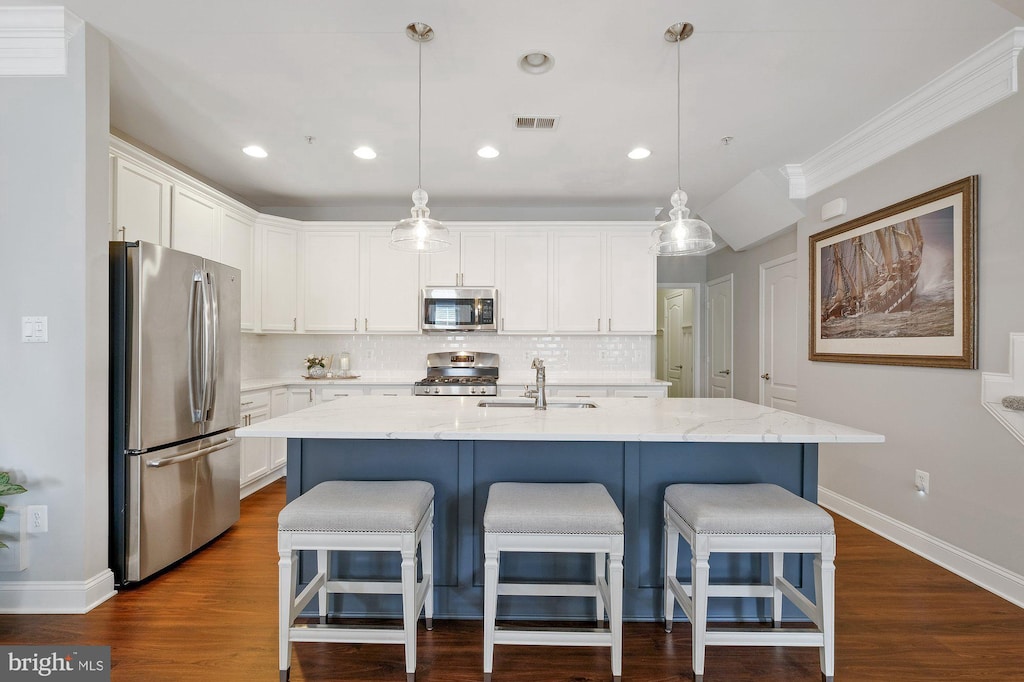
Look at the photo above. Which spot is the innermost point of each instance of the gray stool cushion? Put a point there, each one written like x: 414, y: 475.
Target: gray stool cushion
x: 751, y: 508
x: 568, y: 508
x: 358, y: 506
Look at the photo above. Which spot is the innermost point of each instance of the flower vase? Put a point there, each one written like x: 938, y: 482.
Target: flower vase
x: 317, y: 372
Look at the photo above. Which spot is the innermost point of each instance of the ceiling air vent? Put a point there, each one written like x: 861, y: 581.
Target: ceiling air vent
x: 537, y: 122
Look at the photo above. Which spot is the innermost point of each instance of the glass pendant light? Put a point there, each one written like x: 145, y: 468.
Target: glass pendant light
x: 681, y: 235
x: 419, y: 233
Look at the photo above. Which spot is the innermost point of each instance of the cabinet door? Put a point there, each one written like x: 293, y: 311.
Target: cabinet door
x: 278, y: 299
x: 142, y: 204
x: 578, y: 286
x: 255, y: 451
x: 523, y: 285
x: 443, y: 269
x: 301, y: 398
x: 331, y: 293
x: 631, y: 283
x: 390, y: 290
x: 278, y: 446
x: 236, y: 250
x: 477, y: 259
x: 195, y: 223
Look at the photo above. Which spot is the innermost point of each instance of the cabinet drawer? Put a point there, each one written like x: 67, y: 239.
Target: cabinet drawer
x: 581, y: 392
x: 639, y: 393
x: 392, y: 390
x: 255, y: 399
x: 329, y: 393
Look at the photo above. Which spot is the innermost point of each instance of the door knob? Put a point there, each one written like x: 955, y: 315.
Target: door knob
x: 765, y: 376
x: 677, y: 367
x: 726, y: 372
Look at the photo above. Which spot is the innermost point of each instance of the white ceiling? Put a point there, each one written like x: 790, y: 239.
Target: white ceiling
x: 196, y: 80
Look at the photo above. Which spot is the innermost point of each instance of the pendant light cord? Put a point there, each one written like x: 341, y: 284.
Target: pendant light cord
x: 679, y: 116
x: 419, y: 119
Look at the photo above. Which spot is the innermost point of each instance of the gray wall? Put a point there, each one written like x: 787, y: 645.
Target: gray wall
x: 54, y: 174
x: 746, y: 295
x: 932, y: 418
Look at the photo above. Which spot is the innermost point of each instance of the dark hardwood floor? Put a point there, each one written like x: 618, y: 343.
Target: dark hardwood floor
x: 214, y: 617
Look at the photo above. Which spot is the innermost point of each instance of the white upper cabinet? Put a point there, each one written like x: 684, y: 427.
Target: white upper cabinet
x: 631, y: 284
x: 279, y: 302
x: 604, y: 283
x: 141, y: 205
x: 523, y: 282
x: 390, y: 287
x: 468, y: 262
x: 194, y: 224
x: 236, y: 250
x: 331, y: 288
x: 578, y: 285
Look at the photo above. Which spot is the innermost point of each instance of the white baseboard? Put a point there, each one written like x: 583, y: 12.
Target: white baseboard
x: 981, y: 572
x: 39, y: 596
x: 262, y: 482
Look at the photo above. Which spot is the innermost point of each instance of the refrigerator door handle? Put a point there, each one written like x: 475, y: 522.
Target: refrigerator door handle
x: 210, y: 323
x: 157, y: 463
x: 196, y: 358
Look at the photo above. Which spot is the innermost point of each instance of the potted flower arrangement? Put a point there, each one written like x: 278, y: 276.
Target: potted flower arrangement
x: 316, y: 366
x: 7, y: 488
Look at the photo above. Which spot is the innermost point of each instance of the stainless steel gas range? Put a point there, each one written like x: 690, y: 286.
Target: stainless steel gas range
x: 459, y: 373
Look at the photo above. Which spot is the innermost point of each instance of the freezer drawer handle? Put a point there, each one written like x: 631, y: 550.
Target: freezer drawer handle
x: 157, y: 463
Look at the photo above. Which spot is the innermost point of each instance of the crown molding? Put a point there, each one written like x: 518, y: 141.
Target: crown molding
x: 34, y: 40
x: 983, y: 79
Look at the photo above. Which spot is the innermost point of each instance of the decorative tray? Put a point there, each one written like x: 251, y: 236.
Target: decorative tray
x: 349, y: 376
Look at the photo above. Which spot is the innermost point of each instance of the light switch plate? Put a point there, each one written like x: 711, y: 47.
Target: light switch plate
x: 34, y: 330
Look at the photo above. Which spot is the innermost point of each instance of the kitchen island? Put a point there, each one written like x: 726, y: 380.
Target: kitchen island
x: 634, y: 447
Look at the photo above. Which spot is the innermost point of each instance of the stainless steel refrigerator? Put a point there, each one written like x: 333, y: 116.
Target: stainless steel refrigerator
x: 174, y: 405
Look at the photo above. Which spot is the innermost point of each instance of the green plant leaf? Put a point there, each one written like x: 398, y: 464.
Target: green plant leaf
x: 3, y: 545
x: 4, y: 477
x: 2, y: 510
x: 10, y: 488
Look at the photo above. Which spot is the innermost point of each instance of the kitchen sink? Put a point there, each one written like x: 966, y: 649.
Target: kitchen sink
x: 529, y: 403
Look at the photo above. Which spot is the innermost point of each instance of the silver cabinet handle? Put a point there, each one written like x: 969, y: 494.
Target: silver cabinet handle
x: 609, y: 324
x: 726, y: 372
x: 366, y: 324
x: 310, y: 395
x: 355, y: 324
x: 599, y: 324
x: 295, y: 324
x: 503, y: 324
x: 677, y: 367
x: 250, y: 402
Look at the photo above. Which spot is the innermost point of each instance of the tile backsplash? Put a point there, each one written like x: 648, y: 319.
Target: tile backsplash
x: 578, y: 357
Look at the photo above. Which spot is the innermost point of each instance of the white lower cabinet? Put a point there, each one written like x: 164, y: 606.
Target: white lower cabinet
x: 278, y: 446
x: 255, y: 452
x: 301, y: 397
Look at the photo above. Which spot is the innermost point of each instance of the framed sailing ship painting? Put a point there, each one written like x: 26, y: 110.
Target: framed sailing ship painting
x: 898, y: 286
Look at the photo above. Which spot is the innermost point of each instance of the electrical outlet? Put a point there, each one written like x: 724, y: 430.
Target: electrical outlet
x: 37, y: 518
x: 921, y: 481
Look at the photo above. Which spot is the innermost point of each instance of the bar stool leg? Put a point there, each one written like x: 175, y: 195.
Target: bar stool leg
x: 671, y: 561
x: 825, y: 595
x: 427, y: 563
x: 322, y: 558
x: 700, y: 571
x: 491, y: 556
x: 778, y: 560
x: 615, y: 610
x: 409, y: 612
x: 287, y: 572
x: 599, y: 570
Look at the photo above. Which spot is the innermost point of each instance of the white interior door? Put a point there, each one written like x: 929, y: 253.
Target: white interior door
x: 779, y: 343
x: 720, y: 337
x: 679, y: 343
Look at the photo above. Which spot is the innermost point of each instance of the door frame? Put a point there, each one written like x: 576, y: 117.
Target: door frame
x: 732, y: 331
x: 698, y: 327
x: 761, y: 271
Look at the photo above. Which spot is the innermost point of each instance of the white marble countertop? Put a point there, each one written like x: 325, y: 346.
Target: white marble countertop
x: 615, y: 419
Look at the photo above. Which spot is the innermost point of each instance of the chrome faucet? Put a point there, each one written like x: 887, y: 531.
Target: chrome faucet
x: 539, y: 394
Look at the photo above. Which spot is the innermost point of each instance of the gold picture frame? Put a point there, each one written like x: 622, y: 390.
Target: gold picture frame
x: 899, y: 286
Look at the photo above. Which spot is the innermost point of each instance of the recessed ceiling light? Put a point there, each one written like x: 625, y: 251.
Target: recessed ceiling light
x: 536, y: 62
x: 639, y: 153
x: 255, y: 151
x: 487, y: 152
x: 365, y: 153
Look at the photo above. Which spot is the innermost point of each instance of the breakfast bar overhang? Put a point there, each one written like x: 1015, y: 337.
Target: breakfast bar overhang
x: 634, y: 447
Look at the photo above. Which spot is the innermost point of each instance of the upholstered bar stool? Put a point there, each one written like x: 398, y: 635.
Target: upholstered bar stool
x: 374, y: 516
x: 756, y: 517
x: 554, y: 517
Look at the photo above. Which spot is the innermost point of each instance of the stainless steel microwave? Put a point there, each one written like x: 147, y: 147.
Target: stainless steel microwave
x: 459, y: 309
